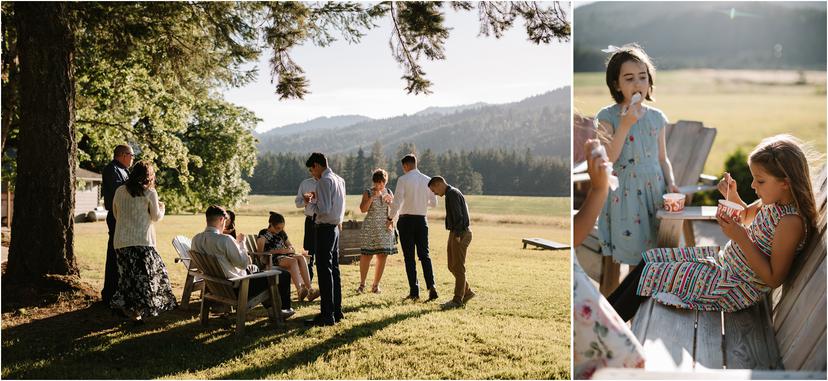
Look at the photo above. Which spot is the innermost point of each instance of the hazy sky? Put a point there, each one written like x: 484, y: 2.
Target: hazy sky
x: 364, y: 78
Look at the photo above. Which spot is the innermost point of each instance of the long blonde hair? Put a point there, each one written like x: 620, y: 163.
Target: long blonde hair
x: 783, y: 157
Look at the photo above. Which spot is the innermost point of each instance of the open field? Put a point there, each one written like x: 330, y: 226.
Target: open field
x: 517, y: 327
x: 744, y: 106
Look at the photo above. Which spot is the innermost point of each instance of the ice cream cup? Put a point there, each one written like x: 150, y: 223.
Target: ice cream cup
x: 674, y: 202
x: 729, y: 208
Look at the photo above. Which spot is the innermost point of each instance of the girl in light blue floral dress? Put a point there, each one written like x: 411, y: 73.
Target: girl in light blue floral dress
x: 634, y: 138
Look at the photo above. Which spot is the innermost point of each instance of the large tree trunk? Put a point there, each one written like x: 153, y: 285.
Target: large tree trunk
x: 42, y: 229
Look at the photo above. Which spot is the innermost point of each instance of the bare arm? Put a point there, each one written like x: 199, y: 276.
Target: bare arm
x: 732, y: 195
x: 666, y: 166
x: 365, y: 204
x: 772, y: 270
x: 619, y: 135
x: 260, y: 242
x: 590, y: 209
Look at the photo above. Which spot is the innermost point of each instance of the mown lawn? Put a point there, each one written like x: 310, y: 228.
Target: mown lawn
x: 517, y: 327
x: 744, y: 106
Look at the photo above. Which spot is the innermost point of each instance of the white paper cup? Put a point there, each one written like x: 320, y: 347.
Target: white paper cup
x: 673, y: 202
x: 729, y: 208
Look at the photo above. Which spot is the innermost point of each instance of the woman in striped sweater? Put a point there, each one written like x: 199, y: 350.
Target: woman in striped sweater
x: 755, y: 260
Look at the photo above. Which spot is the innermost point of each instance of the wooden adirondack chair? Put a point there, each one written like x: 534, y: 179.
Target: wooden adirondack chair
x: 784, y: 331
x: 192, y: 283
x: 688, y: 145
x: 234, y: 291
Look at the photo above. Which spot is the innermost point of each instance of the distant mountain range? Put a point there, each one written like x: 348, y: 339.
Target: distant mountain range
x: 320, y: 123
x: 539, y: 123
x: 718, y: 35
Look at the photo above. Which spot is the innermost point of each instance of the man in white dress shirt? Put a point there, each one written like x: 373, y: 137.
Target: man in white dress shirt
x: 306, y: 187
x: 411, y: 201
x: 328, y: 206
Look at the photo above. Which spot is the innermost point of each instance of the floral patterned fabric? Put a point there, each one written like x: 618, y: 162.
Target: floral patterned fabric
x: 143, y: 283
x: 627, y: 225
x: 375, y: 237
x: 276, y: 241
x: 600, y: 337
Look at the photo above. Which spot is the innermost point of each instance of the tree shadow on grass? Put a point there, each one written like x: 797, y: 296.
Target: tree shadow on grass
x: 91, y: 343
x: 311, y: 354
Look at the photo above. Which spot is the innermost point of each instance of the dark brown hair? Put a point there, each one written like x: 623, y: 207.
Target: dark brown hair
x: 409, y: 159
x: 141, y: 177
x: 379, y: 175
x: 275, y: 219
x: 629, y: 52
x: 436, y: 180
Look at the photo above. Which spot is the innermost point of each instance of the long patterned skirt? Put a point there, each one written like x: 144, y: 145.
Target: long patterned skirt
x: 143, y: 283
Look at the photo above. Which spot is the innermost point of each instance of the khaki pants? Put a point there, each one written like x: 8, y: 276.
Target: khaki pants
x: 456, y: 253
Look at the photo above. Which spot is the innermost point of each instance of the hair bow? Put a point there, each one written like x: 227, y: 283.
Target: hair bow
x: 611, y: 49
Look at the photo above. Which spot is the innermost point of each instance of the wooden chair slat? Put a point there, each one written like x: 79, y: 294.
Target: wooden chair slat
x: 709, y: 341
x: 746, y: 344
x: 797, y: 336
x: 666, y: 346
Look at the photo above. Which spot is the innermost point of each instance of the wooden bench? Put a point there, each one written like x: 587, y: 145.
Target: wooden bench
x: 234, y: 291
x: 787, y: 330
x: 350, y: 242
x: 544, y: 244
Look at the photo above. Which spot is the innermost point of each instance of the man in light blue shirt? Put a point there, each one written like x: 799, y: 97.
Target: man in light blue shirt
x: 328, y: 206
x: 306, y: 187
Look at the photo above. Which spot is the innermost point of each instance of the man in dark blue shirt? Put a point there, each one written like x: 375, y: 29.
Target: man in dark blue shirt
x: 460, y: 236
x: 114, y: 175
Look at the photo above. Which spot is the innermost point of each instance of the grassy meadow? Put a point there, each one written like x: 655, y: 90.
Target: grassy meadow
x: 744, y: 106
x: 517, y: 327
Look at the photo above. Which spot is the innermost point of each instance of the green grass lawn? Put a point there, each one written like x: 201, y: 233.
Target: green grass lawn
x: 517, y: 327
x: 744, y: 106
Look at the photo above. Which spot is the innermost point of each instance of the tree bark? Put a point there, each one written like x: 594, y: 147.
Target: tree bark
x: 42, y: 229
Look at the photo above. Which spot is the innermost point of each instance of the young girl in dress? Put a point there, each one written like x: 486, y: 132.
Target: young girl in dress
x: 275, y: 241
x: 754, y: 261
x: 634, y: 138
x: 376, y: 238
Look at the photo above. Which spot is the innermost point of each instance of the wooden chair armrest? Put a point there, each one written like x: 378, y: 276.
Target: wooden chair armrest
x: 708, y: 179
x: 260, y: 274
x: 690, y: 189
x: 689, y: 213
x: 211, y: 278
x: 580, y: 177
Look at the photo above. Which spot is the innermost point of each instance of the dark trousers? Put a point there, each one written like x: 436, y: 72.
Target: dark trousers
x: 111, y: 269
x: 309, y: 243
x: 624, y: 299
x: 327, y: 271
x: 414, y: 234
x: 258, y: 285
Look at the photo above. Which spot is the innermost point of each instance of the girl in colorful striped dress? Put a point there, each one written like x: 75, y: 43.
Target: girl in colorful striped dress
x: 755, y: 260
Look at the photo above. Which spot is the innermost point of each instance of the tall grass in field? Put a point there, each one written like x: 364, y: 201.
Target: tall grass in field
x: 517, y: 327
x: 744, y: 106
